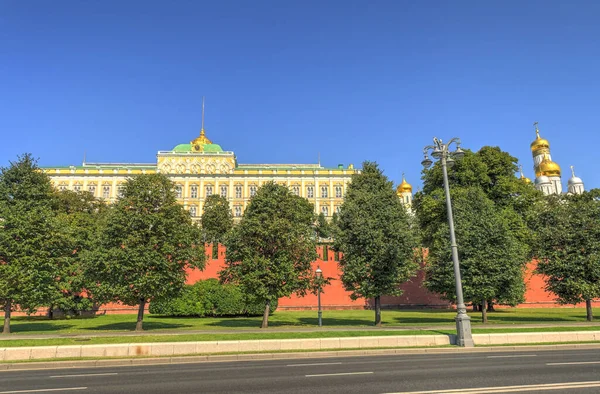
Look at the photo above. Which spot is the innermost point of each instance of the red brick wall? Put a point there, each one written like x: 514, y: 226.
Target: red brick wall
x: 335, y: 297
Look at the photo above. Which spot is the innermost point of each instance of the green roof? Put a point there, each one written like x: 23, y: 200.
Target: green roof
x: 208, y: 148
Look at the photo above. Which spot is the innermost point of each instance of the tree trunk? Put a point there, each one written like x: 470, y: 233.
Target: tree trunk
x: 140, y: 318
x: 265, y: 321
x: 6, y: 329
x: 484, y: 312
x: 588, y: 309
x: 378, y: 311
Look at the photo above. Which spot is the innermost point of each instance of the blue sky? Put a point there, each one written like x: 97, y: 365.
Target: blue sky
x: 286, y: 81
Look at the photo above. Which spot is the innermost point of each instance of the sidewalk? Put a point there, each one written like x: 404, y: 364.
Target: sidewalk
x: 170, y: 349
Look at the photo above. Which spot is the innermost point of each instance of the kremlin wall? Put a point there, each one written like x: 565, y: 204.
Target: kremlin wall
x: 334, y: 297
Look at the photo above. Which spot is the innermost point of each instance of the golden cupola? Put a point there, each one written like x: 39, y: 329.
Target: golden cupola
x: 403, y: 187
x: 549, y: 168
x: 523, y: 177
x: 539, y: 143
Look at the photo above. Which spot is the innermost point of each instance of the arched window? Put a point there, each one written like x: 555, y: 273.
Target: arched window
x: 105, y: 191
x: 338, y: 192
x: 324, y: 191
x: 238, y: 191
x: 310, y: 192
x: 325, y: 210
x: 209, y: 190
x: 224, y: 191
x: 178, y: 191
x: 193, y: 211
x: 238, y: 211
x: 194, y: 191
x: 252, y: 191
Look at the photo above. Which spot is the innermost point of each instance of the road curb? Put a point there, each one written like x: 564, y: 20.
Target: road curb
x: 139, y: 361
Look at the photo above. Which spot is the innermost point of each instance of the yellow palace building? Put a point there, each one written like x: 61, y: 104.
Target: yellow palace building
x: 201, y: 168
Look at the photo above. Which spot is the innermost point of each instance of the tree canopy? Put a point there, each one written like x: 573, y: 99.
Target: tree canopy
x: 375, y: 237
x: 78, y: 213
x: 144, y: 245
x: 493, y: 210
x: 217, y: 219
x: 567, y: 247
x: 31, y: 240
x: 269, y: 253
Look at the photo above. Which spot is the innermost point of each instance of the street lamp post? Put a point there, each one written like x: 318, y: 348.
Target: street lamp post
x: 319, y: 274
x: 440, y: 151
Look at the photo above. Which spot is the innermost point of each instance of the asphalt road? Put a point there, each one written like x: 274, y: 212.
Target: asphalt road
x: 565, y: 371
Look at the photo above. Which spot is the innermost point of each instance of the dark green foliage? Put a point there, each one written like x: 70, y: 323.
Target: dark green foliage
x: 144, y: 246
x: 493, y: 211
x: 217, y: 219
x: 322, y: 227
x: 567, y: 246
x: 79, y: 214
x: 375, y: 236
x: 31, y: 239
x: 269, y: 253
x: 491, y: 257
x: 209, y: 298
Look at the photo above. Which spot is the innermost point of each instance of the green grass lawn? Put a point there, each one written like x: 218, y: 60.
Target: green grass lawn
x: 223, y: 336
x: 291, y: 320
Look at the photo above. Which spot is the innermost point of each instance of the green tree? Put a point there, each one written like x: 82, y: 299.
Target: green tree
x: 491, y: 257
x: 375, y: 236
x: 567, y: 246
x: 491, y: 172
x: 30, y: 238
x: 79, y: 214
x: 217, y: 219
x: 144, y: 246
x: 322, y: 227
x: 269, y: 253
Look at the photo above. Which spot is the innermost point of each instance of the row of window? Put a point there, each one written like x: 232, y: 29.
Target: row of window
x: 92, y: 189
x: 310, y: 191
x: 237, y: 210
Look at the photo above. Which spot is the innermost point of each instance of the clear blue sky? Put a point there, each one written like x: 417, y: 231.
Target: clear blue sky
x: 287, y: 80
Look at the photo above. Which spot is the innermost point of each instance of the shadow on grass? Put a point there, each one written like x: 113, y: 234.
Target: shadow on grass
x: 332, y: 321
x: 130, y: 326
x: 37, y: 326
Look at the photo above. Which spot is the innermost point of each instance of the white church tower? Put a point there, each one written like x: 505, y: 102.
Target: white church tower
x: 547, y: 172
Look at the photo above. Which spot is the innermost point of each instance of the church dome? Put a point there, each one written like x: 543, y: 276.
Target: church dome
x: 404, y: 187
x: 539, y: 142
x: 525, y: 179
x: 574, y: 180
x: 549, y: 168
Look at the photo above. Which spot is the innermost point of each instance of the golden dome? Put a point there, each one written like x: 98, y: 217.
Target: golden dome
x: 404, y: 187
x: 523, y: 177
x: 539, y: 142
x: 549, y: 168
